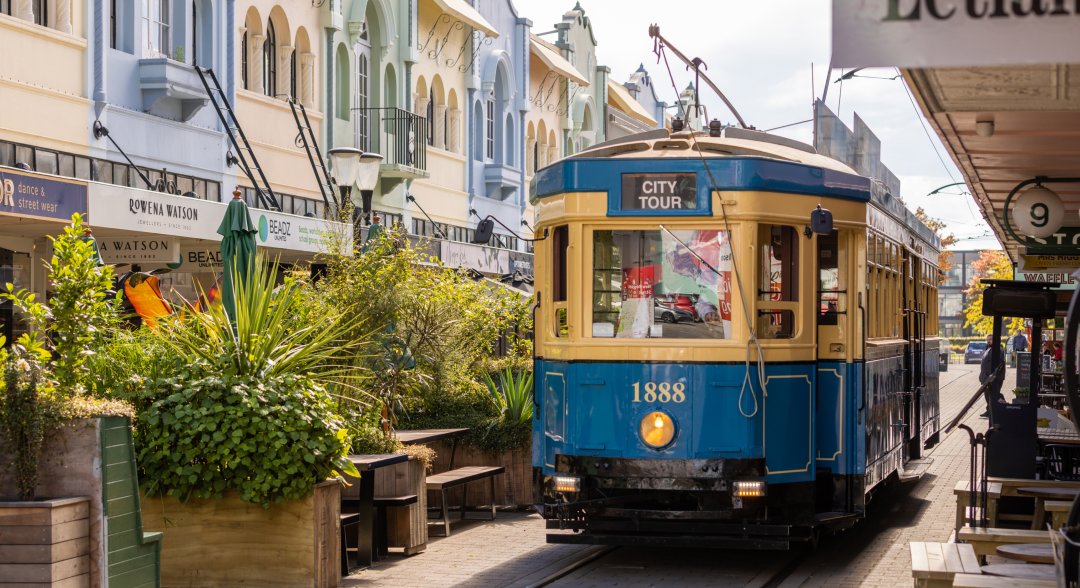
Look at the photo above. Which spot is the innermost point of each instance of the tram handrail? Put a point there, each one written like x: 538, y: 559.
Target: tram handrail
x: 974, y: 398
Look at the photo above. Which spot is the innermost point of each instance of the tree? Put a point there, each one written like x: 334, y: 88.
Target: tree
x: 947, y: 240
x: 990, y: 265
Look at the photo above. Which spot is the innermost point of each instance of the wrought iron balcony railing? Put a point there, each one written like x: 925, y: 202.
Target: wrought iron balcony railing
x: 398, y: 135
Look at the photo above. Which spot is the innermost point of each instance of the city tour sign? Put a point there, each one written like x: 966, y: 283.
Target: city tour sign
x: 953, y: 33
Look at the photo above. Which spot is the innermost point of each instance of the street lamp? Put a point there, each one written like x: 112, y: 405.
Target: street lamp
x: 354, y: 167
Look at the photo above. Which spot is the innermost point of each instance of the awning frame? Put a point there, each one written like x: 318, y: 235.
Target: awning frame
x: 456, y: 16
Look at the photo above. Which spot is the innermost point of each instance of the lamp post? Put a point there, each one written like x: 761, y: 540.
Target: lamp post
x: 354, y: 167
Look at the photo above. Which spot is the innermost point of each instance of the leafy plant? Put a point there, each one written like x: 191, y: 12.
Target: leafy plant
x: 246, y: 407
x: 26, y: 418
x: 512, y: 396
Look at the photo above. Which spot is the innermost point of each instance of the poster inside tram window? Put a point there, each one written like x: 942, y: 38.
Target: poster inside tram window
x: 636, y: 314
x: 689, y: 260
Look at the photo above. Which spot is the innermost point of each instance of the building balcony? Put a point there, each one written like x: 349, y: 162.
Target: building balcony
x: 398, y: 135
x: 170, y: 89
x: 501, y: 181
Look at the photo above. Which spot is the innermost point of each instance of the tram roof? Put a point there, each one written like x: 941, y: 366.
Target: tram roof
x: 736, y: 159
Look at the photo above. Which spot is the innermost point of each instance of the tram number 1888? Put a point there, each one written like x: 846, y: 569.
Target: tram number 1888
x: 662, y: 392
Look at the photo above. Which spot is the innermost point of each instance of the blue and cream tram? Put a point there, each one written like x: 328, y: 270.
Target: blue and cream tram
x: 799, y: 374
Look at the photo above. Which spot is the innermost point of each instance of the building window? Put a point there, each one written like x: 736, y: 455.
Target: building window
x: 292, y: 75
x: 342, y: 83
x: 489, y: 135
x: 431, y: 118
x: 270, y: 61
x: 112, y: 22
x: 156, y: 17
x: 778, y: 281
x: 446, y: 128
x: 5, y: 7
x: 196, y: 30
x: 244, y: 60
x: 362, y: 101
x: 41, y: 12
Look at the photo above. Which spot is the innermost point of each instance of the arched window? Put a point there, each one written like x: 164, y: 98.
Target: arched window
x: 508, y: 147
x: 446, y: 128
x: 535, y: 156
x: 342, y: 81
x: 431, y: 117
x: 244, y: 60
x: 292, y: 75
x: 489, y: 127
x: 270, y: 61
x: 196, y: 30
x: 362, y: 120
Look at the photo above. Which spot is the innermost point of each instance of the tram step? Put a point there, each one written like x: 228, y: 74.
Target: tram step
x: 829, y: 518
x: 914, y: 469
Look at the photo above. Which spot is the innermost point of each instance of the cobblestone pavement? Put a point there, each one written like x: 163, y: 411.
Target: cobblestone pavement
x: 511, y: 551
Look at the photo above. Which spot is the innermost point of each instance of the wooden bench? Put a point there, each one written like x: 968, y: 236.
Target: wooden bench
x: 1058, y: 511
x: 986, y: 541
x: 382, y: 503
x: 963, y: 494
x: 461, y: 477
x: 987, y: 581
x: 1011, y: 486
x: 346, y: 520
x: 935, y: 564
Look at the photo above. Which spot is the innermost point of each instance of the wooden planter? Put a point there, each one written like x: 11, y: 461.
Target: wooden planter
x: 45, y: 543
x: 228, y: 542
x: 94, y: 458
x: 514, y: 488
x: 406, y: 526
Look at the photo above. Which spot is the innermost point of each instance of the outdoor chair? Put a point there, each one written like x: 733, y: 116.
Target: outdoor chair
x: 1062, y: 462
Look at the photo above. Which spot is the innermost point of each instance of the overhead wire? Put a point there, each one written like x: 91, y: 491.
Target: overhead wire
x: 752, y: 342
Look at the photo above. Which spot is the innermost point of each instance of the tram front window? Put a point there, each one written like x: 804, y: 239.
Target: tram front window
x: 662, y: 284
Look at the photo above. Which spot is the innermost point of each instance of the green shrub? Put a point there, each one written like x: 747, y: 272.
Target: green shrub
x: 512, y: 396
x: 25, y: 416
x: 272, y: 438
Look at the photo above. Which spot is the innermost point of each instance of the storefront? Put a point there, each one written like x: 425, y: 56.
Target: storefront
x: 139, y: 230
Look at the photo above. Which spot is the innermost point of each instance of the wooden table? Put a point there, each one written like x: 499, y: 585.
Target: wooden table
x: 365, y: 505
x: 1048, y: 436
x: 985, y: 581
x: 1043, y: 493
x: 422, y: 436
x: 1040, y: 553
x: 1022, y: 571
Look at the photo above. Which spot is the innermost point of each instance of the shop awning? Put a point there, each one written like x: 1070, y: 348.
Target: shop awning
x: 468, y: 15
x: 556, y: 62
x: 619, y: 97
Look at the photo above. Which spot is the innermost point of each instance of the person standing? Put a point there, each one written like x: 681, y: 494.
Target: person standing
x: 986, y: 371
x: 1020, y: 342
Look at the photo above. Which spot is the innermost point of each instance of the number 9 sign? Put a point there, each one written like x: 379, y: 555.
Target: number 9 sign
x: 1038, y: 212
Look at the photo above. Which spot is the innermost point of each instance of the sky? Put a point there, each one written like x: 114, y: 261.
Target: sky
x: 760, y: 54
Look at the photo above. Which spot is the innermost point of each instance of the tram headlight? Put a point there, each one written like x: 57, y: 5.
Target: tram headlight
x: 657, y: 429
x: 749, y: 488
x: 567, y: 483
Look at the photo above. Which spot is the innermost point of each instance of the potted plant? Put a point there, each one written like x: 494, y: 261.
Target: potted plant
x: 240, y: 441
x: 1021, y: 395
x: 65, y: 455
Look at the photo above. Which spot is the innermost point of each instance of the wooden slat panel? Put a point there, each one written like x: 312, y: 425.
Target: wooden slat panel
x: 45, y: 572
x: 953, y: 563
x: 10, y: 554
x: 919, y: 564
x: 935, y: 559
x: 968, y: 560
x: 44, y: 535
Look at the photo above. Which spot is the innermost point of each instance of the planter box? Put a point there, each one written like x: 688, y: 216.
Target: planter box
x: 45, y: 543
x: 94, y: 458
x: 514, y: 488
x: 228, y: 542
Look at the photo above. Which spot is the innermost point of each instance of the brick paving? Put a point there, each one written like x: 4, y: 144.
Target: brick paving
x: 512, y: 549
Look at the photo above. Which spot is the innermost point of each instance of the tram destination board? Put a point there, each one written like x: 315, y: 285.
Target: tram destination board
x: 659, y: 192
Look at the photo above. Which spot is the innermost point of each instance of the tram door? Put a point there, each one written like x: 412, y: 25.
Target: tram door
x: 833, y: 401
x: 913, y: 354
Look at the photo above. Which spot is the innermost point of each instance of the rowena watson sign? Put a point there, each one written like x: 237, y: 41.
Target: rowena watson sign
x: 954, y: 33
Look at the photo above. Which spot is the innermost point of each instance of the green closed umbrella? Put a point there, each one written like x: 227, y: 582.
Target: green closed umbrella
x: 237, y: 249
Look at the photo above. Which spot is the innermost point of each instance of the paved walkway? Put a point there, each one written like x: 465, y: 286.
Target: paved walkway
x: 512, y: 550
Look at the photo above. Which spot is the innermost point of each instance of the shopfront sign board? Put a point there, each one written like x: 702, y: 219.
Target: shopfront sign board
x: 129, y: 209
x: 1046, y: 277
x: 39, y: 196
x: 485, y: 259
x: 139, y: 250
x: 300, y: 233
x: 199, y: 259
x: 953, y: 33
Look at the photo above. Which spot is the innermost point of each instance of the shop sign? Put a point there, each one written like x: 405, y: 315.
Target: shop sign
x: 1067, y: 281
x: 120, y: 207
x: 139, y: 250
x: 299, y: 233
x: 194, y: 259
x: 32, y: 195
x: 485, y: 259
x: 953, y: 33
x: 1037, y: 262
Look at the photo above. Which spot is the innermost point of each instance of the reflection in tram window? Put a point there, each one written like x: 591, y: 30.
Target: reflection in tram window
x: 660, y: 284
x: 778, y: 282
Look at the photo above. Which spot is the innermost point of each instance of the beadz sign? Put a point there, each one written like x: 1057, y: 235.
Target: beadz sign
x: 31, y: 195
x: 659, y: 192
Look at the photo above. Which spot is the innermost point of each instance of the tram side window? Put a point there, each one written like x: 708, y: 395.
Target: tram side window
x: 560, y: 242
x: 831, y: 292
x: 661, y: 284
x: 778, y: 281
